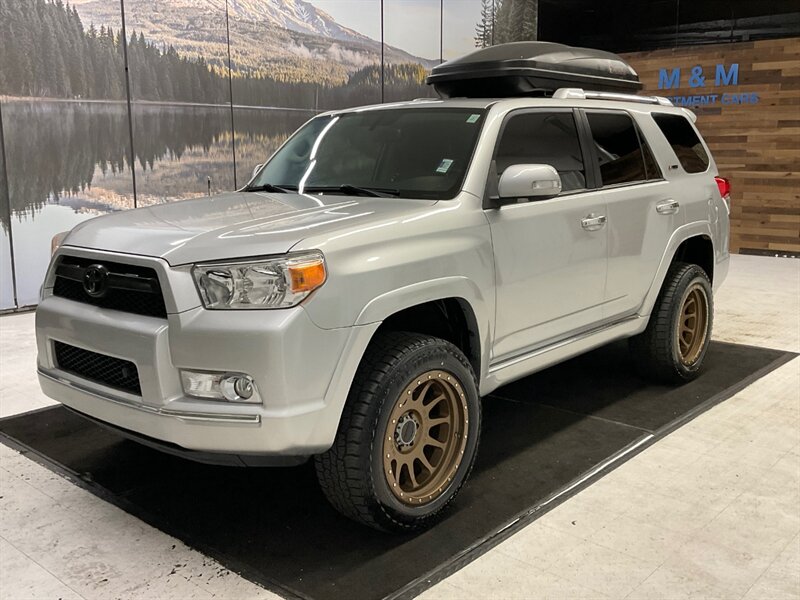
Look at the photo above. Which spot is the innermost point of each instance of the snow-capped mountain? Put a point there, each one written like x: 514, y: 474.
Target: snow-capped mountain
x: 291, y: 40
x: 295, y: 15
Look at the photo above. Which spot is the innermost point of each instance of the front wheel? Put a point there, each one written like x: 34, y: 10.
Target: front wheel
x: 673, y: 346
x: 408, y: 435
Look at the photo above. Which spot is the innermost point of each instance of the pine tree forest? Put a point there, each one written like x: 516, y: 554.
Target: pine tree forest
x: 505, y: 21
x: 45, y: 51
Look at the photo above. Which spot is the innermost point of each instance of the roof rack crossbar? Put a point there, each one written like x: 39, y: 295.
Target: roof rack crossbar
x: 580, y: 94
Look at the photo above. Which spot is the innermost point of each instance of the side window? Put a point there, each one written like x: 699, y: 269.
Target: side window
x: 544, y: 138
x: 684, y: 141
x: 620, y: 156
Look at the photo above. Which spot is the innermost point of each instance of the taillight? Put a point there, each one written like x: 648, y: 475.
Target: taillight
x: 724, y: 188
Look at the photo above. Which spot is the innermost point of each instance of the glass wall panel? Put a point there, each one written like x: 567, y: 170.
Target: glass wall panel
x: 461, y: 19
x: 6, y: 282
x: 304, y: 57
x: 411, y: 30
x: 6, y: 279
x: 182, y: 151
x: 177, y: 54
x: 64, y: 121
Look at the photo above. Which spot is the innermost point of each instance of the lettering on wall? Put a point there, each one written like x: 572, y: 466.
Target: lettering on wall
x: 697, y: 79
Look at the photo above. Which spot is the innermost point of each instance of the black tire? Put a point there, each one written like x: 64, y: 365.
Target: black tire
x: 353, y: 474
x: 660, y: 352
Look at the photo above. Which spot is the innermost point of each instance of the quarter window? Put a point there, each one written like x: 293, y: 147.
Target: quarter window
x: 684, y: 141
x: 620, y: 156
x: 544, y: 138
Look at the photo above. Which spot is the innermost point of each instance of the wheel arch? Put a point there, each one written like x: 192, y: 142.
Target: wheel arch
x: 451, y: 319
x: 697, y: 250
x: 693, y: 243
x: 452, y: 308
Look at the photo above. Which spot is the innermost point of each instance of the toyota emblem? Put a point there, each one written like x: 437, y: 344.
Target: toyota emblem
x: 95, y: 281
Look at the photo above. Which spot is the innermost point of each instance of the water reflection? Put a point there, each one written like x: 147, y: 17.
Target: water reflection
x: 59, y: 149
x: 68, y: 161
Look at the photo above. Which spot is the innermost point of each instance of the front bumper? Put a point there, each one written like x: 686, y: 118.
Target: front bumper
x: 302, y: 373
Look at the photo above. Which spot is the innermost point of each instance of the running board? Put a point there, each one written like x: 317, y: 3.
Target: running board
x: 510, y: 369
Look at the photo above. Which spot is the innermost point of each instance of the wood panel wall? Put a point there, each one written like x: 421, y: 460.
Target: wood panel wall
x: 757, y: 146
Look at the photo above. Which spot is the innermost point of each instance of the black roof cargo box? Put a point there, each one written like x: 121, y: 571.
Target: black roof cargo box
x: 532, y: 68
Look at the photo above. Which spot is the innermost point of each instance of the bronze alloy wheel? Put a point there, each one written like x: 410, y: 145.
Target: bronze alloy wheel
x: 692, y: 325
x: 425, y: 438
x: 408, y: 435
x: 673, y: 346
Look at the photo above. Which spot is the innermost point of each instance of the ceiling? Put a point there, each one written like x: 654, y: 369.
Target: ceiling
x: 628, y: 25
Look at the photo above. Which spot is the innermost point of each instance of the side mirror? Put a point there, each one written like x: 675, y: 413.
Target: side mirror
x: 537, y: 182
x: 256, y: 169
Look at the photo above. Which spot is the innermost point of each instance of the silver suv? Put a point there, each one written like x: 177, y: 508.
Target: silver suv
x: 386, y: 268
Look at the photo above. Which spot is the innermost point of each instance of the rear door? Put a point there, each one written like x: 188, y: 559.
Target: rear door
x: 642, y: 212
x: 689, y: 168
x: 550, y: 255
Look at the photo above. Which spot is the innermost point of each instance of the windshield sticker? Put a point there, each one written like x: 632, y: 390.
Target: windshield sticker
x: 444, y: 166
x: 473, y: 118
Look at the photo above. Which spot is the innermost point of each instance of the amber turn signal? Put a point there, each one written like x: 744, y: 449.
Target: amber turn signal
x: 307, y: 276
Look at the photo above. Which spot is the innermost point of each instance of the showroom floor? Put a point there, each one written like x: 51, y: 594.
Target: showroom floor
x: 711, y: 511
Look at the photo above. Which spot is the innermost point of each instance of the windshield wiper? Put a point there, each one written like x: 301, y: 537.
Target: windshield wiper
x: 268, y: 187
x: 355, y: 190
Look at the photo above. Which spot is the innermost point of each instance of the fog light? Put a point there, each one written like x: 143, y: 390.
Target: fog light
x: 233, y: 387
x: 237, y: 388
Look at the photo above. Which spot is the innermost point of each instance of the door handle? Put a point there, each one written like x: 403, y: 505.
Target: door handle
x: 668, y: 207
x: 593, y: 222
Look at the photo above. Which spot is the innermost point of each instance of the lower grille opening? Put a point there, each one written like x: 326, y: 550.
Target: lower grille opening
x: 110, y: 371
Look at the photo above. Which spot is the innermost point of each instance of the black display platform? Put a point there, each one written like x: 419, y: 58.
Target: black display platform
x: 571, y: 423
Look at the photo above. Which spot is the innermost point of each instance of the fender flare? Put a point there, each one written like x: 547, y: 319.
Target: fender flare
x: 458, y: 287
x: 680, y: 235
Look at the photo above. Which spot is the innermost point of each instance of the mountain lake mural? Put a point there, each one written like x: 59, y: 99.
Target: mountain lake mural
x: 215, y: 87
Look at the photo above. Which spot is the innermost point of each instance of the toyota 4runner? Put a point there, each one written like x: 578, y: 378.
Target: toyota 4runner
x: 388, y: 267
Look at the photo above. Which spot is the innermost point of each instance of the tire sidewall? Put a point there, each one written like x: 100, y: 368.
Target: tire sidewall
x: 688, y: 279
x: 439, y: 356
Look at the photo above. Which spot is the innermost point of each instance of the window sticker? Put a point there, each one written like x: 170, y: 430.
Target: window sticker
x: 444, y: 166
x: 473, y: 118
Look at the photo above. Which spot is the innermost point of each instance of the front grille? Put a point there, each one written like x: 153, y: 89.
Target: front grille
x: 128, y: 288
x: 110, y: 371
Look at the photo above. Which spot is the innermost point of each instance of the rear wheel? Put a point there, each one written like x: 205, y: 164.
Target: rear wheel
x: 408, y: 435
x: 673, y: 346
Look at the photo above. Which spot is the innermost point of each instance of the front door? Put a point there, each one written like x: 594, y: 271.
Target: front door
x: 550, y: 255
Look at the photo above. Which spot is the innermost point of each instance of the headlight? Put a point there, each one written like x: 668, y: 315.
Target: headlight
x: 269, y: 283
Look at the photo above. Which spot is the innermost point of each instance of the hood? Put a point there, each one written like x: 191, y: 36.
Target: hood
x: 229, y: 226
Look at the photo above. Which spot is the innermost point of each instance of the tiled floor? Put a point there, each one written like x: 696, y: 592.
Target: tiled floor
x: 712, y: 511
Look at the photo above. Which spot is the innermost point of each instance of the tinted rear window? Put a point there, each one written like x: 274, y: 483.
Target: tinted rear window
x: 684, y: 141
x: 621, y: 157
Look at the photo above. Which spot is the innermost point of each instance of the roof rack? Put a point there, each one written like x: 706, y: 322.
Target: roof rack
x: 580, y: 94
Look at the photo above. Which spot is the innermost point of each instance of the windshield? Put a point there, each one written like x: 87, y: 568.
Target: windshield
x: 413, y: 153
